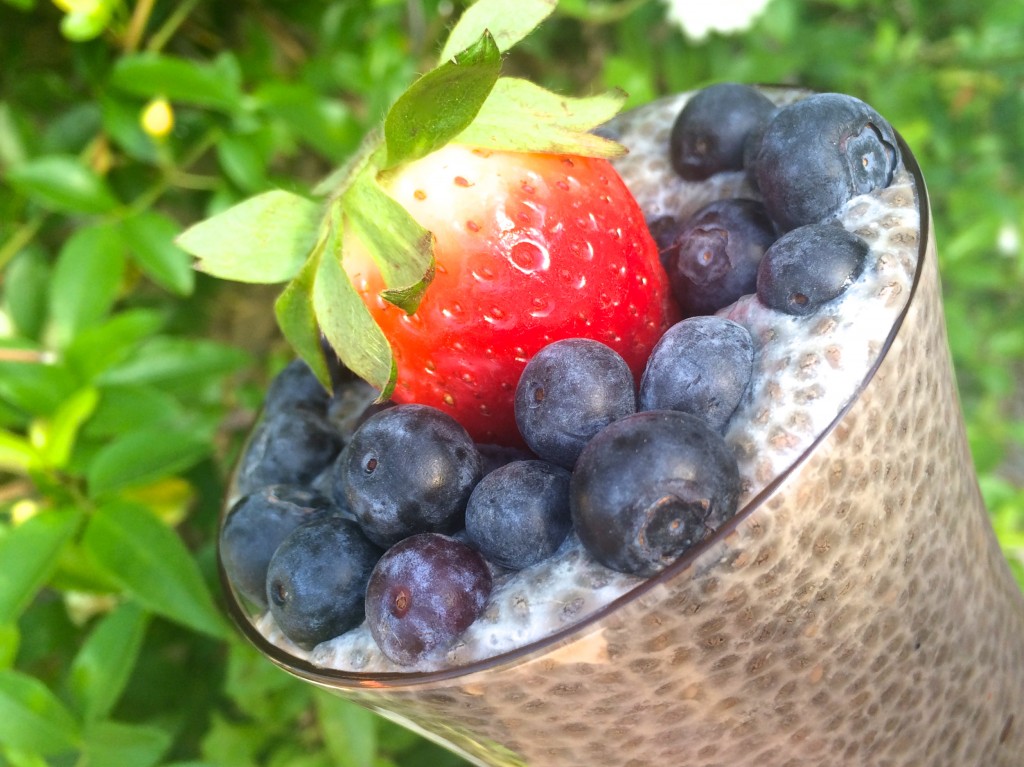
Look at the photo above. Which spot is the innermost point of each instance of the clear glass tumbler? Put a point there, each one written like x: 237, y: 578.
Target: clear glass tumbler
x: 858, y: 611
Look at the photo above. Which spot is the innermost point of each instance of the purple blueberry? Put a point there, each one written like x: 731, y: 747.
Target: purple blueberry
x: 712, y: 258
x: 408, y: 469
x: 519, y: 514
x: 568, y: 392
x: 701, y: 366
x: 255, y: 526
x: 819, y: 153
x: 423, y: 594
x: 712, y: 127
x: 810, y: 266
x: 651, y: 486
x: 316, y: 581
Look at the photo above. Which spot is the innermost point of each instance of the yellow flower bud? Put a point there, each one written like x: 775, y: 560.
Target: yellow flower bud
x: 158, y: 118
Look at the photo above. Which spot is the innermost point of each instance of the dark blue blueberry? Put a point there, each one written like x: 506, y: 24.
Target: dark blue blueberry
x: 712, y: 260
x: 423, y: 594
x: 353, y: 402
x: 296, y: 387
x: 568, y: 392
x: 712, y: 127
x: 255, y: 526
x: 701, y: 366
x: 519, y: 514
x: 810, y: 266
x: 651, y: 486
x: 819, y: 153
x: 409, y: 469
x: 316, y: 581
x: 495, y: 456
x: 288, y: 447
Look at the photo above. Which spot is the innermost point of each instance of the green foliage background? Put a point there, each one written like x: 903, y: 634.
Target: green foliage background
x: 127, y: 381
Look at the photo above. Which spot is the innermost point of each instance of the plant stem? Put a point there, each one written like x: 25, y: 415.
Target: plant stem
x: 159, y: 38
x: 137, y: 25
x: 22, y: 236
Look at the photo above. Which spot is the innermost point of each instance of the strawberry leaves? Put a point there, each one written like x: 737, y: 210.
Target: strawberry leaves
x: 279, y: 236
x: 264, y: 239
x: 442, y: 103
x: 519, y: 116
x: 507, y: 22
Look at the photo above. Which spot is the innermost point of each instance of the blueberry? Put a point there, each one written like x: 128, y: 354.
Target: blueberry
x: 819, y: 153
x: 423, y: 594
x: 709, y: 133
x: 808, y: 267
x: 409, y: 469
x: 712, y: 259
x: 495, y: 456
x: 651, y: 486
x: 701, y: 366
x: 568, y: 392
x: 255, y: 526
x: 519, y: 514
x: 289, y: 446
x: 296, y: 387
x: 316, y: 581
x: 353, y: 402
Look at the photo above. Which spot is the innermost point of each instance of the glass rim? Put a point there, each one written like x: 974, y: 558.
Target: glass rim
x: 356, y: 680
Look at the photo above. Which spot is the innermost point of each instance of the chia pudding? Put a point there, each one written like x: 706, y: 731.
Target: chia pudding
x: 805, y: 371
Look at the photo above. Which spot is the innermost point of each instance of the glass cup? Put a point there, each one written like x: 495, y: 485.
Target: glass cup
x: 857, y: 611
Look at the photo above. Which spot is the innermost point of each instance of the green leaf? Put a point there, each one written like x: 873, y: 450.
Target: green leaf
x: 243, y: 163
x: 145, y: 455
x: 36, y: 388
x: 150, y: 562
x: 17, y: 455
x: 102, y: 346
x: 507, y: 22
x: 264, y: 239
x: 61, y: 431
x: 150, y: 239
x: 519, y: 116
x: 115, y: 744
x: 62, y: 183
x: 296, y: 318
x: 32, y: 718
x: 10, y: 638
x: 123, y: 408
x: 175, y: 364
x: 346, y: 322
x: 26, y: 285
x: 86, y: 279
x: 185, y: 81
x: 104, y: 663
x: 349, y: 731
x: 402, y: 249
x: 442, y: 103
x: 327, y: 125
x: 30, y: 552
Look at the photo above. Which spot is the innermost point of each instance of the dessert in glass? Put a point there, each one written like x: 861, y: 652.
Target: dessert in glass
x: 856, y: 608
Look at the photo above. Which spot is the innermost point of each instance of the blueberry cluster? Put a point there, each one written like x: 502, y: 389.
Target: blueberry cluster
x: 353, y: 510
x: 407, y: 522
x: 805, y: 162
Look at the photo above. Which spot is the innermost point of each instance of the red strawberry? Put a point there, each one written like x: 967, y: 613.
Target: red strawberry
x: 530, y: 248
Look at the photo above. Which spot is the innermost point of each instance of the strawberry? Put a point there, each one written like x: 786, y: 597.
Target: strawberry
x: 482, y: 222
x: 529, y: 249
